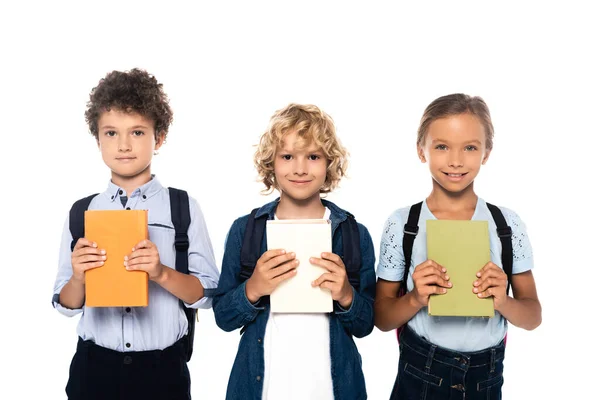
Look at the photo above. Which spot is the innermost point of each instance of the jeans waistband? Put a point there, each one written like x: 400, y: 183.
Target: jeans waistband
x: 459, y: 359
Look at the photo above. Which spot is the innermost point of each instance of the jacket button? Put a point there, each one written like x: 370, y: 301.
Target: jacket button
x: 127, y: 360
x: 258, y: 378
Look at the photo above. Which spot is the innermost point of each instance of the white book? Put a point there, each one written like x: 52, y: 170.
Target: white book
x: 307, y: 238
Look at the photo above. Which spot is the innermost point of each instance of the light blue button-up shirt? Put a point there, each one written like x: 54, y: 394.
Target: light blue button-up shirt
x: 163, y: 322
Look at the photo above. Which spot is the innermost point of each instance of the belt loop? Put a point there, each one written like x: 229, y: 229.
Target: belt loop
x: 493, y: 361
x: 430, y: 358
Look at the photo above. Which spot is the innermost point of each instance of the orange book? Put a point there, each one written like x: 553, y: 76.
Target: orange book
x: 117, y: 232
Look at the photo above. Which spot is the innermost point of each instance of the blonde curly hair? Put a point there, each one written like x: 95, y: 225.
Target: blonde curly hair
x: 312, y: 126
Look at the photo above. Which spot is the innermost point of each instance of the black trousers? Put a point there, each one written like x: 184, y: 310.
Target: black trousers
x: 97, y: 373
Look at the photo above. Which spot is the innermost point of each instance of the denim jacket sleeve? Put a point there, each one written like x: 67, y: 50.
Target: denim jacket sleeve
x: 358, y: 319
x: 231, y: 306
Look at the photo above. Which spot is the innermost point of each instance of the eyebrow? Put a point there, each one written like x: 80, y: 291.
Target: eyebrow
x: 133, y: 127
x: 469, y: 141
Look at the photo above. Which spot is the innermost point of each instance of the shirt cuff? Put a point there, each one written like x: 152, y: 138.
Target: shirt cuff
x: 64, y: 310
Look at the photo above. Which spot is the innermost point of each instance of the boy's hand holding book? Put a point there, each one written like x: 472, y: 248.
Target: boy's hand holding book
x: 272, y: 268
x: 144, y: 257
x: 335, y: 280
x: 86, y: 255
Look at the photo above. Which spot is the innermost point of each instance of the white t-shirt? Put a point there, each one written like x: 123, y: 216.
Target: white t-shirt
x: 297, y: 356
x: 456, y: 333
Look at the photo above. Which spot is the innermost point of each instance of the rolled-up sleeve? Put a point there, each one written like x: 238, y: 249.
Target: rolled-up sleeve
x: 201, y: 256
x: 65, y: 271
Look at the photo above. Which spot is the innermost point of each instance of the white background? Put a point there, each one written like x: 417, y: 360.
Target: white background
x: 374, y: 67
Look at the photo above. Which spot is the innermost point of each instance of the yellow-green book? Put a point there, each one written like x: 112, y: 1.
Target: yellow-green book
x: 463, y: 248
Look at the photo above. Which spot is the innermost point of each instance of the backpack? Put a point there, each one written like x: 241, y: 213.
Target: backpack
x: 255, y: 229
x: 180, y: 217
x: 411, y: 230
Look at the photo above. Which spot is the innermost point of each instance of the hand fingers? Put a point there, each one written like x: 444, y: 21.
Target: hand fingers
x: 277, y: 260
x: 489, y: 292
x: 334, y: 258
x: 88, y: 251
x: 482, y: 286
x: 428, y: 264
x: 328, y: 265
x: 134, y: 263
x: 83, y: 242
x: 84, y: 259
x: 490, y: 266
x: 144, y: 244
x: 429, y: 271
x: 269, y: 254
x: 433, y: 280
x: 284, y: 277
x: 326, y: 277
x: 282, y: 269
x: 141, y: 253
x: 91, y: 265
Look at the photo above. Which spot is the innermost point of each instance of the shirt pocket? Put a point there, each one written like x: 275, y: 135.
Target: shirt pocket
x: 162, y: 234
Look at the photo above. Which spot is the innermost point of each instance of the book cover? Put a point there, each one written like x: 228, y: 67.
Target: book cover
x: 117, y: 232
x: 463, y: 248
x: 307, y: 238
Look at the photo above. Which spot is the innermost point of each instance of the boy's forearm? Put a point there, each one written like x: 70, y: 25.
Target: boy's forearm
x: 523, y: 313
x: 72, y: 295
x: 183, y: 286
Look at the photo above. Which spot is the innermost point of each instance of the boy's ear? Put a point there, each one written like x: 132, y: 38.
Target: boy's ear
x: 160, y: 139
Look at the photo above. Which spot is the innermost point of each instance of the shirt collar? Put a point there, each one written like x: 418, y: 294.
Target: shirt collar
x: 146, y: 191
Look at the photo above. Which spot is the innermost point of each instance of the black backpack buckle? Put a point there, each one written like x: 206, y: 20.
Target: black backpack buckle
x: 504, y: 232
x: 181, y: 242
x: 411, y: 230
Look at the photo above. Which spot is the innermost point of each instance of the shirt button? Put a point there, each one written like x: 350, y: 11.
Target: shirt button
x: 259, y: 340
x: 128, y: 309
x: 127, y: 360
x: 258, y: 378
x: 128, y: 345
x: 128, y: 208
x: 120, y: 192
x: 144, y: 197
x: 112, y: 197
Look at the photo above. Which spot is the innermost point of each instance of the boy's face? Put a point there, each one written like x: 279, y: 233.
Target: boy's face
x: 127, y: 143
x: 455, y: 151
x: 300, y: 168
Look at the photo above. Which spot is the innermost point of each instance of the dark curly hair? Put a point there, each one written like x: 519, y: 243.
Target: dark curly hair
x: 130, y: 91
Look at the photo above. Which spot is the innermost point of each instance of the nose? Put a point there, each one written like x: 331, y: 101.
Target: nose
x: 300, y: 166
x: 455, y: 159
x: 124, y: 143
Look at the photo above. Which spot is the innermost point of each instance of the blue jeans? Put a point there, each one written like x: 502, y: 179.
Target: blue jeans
x: 430, y: 372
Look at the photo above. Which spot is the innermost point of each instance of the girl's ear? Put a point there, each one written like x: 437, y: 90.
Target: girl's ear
x: 486, y: 156
x: 160, y: 139
x: 421, y: 154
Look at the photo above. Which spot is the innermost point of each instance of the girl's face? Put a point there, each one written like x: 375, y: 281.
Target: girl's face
x: 455, y: 150
x: 300, y: 168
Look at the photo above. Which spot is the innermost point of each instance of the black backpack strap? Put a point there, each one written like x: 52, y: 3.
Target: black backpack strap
x: 505, y: 234
x: 251, y: 244
x: 351, y: 250
x: 76, y: 218
x: 411, y: 230
x: 180, y: 217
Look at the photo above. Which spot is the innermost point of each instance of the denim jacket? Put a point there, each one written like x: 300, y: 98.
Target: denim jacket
x: 233, y: 310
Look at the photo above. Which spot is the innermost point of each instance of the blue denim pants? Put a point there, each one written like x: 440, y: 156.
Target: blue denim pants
x: 430, y: 372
